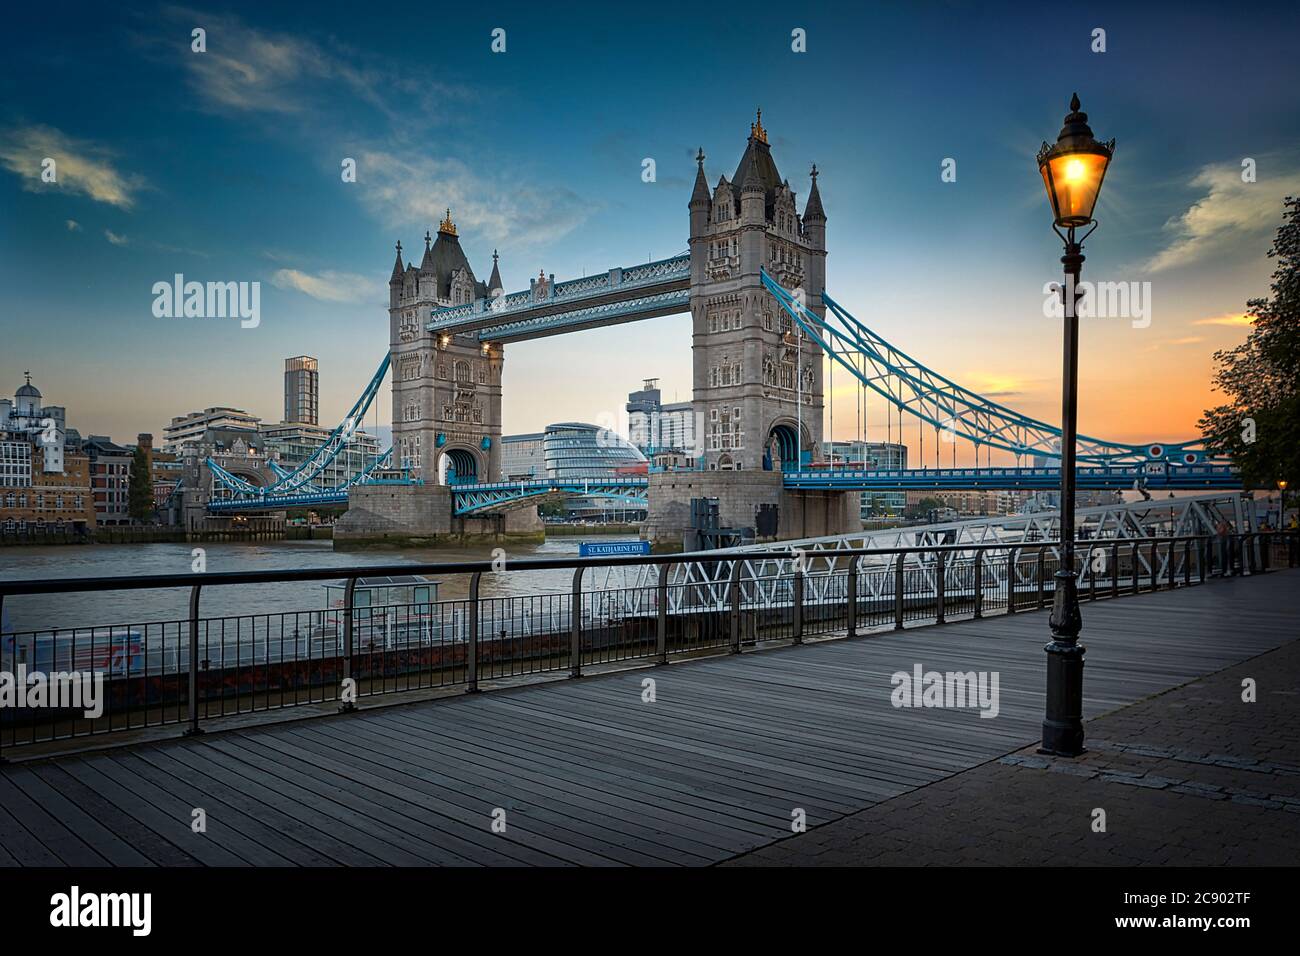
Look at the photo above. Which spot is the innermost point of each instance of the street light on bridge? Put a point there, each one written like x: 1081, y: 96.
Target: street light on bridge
x: 1072, y: 170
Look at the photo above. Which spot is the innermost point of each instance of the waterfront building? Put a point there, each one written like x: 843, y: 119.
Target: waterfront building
x: 44, y: 483
x: 190, y: 428
x: 110, y: 478
x: 655, y: 427
x: 522, y: 457
x: 292, y: 443
x: 875, y: 456
x: 580, y: 450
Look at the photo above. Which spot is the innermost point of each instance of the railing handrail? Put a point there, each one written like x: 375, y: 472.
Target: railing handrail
x: 216, y: 578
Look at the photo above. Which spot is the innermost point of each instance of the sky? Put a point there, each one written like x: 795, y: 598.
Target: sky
x: 225, y: 165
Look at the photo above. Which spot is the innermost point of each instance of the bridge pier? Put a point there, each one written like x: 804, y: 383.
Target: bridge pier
x: 800, y: 514
x: 413, y: 516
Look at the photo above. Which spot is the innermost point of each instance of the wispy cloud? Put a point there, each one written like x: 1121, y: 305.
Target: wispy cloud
x: 115, y: 239
x: 1236, y: 319
x: 80, y: 166
x: 1226, y: 217
x: 414, y: 189
x: 73, y: 225
x: 246, y: 69
x: 329, y: 286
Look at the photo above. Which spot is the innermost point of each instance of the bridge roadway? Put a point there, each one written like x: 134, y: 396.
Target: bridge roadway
x: 589, y: 774
x: 487, y: 497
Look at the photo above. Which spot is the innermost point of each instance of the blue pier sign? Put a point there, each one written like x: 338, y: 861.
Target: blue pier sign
x: 612, y: 549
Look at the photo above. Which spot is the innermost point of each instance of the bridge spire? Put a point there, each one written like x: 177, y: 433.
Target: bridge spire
x: 447, y: 227
x: 494, y: 281
x: 397, y: 266
x: 813, y: 211
x: 700, y: 194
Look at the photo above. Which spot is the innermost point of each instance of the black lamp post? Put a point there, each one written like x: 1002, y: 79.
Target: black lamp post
x: 1073, y: 170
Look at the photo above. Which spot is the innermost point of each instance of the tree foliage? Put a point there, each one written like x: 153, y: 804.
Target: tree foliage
x: 1259, y: 425
x: 139, y: 499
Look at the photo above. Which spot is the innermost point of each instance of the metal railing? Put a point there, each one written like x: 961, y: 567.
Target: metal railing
x: 196, y: 669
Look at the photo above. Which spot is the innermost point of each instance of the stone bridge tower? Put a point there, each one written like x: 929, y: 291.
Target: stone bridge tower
x: 446, y: 388
x: 758, y: 382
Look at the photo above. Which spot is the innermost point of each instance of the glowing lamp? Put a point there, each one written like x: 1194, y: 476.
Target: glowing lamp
x: 1073, y: 169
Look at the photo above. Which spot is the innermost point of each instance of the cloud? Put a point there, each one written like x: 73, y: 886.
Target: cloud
x: 329, y: 286
x: 249, y: 70
x: 1237, y: 319
x: 1229, y: 212
x: 73, y: 225
x: 80, y: 166
x: 115, y: 239
x: 416, y: 189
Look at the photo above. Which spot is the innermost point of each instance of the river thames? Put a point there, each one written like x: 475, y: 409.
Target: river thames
x: 60, y: 611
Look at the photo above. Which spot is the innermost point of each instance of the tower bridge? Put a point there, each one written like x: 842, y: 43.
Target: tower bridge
x: 765, y: 332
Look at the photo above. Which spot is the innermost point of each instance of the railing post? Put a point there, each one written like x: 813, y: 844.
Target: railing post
x: 1187, y: 563
x: 1011, y: 580
x: 1092, y: 574
x: 1155, y: 565
x: 898, y: 590
x: 1137, y: 553
x: 193, y: 668
x: 940, y: 564
x: 349, y: 596
x: 1266, y: 545
x: 1173, y: 578
x: 575, y: 626
x: 733, y: 590
x: 1114, y: 569
x: 471, y: 638
x: 661, y: 625
x: 798, y: 597
x: 853, y: 597
x: 1202, y: 556
x: 1041, y: 572
x: 979, y: 583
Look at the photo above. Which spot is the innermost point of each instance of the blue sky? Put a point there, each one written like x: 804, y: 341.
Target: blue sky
x: 224, y: 166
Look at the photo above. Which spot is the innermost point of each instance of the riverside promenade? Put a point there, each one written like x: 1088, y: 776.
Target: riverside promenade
x: 732, y: 752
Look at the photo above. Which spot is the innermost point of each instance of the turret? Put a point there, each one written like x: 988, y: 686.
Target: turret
x: 701, y: 202
x: 395, y: 280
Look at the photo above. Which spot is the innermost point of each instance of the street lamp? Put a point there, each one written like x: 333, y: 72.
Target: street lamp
x: 1073, y: 171
x: 1281, y: 507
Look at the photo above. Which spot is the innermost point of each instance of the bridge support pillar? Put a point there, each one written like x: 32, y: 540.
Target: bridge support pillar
x: 420, y: 516
x: 800, y: 514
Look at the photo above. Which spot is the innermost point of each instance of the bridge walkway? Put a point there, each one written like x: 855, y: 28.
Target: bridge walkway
x: 586, y: 772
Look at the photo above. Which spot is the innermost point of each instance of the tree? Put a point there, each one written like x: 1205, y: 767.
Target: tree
x: 922, y: 508
x: 139, y: 500
x: 1259, y: 426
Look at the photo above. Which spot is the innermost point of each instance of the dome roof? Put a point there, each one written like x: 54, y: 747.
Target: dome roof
x: 27, y: 391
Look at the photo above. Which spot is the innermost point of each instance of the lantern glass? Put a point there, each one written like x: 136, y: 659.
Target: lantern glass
x: 1073, y: 180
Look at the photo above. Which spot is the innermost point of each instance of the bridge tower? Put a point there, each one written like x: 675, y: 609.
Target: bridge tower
x: 446, y: 387
x: 758, y: 383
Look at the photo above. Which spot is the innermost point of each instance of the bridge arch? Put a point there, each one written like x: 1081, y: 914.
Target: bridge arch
x: 460, y: 463
x: 781, y: 447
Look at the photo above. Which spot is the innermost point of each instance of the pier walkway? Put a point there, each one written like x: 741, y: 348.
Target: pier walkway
x: 730, y: 752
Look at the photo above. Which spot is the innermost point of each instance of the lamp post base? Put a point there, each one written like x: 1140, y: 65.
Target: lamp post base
x: 1063, y: 724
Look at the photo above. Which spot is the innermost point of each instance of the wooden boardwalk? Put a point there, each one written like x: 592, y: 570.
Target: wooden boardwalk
x: 587, y: 773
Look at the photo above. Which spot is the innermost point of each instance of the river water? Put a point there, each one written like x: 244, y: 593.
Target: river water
x: 60, y: 611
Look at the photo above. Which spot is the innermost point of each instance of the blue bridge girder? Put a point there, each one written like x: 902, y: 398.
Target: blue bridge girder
x: 497, y: 496
x: 624, y: 294
x: 1154, y: 477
